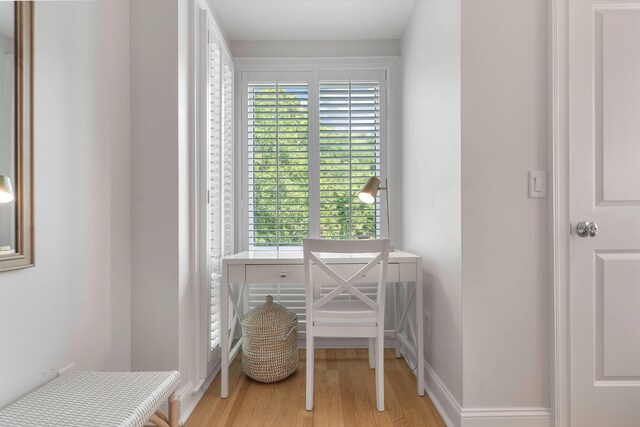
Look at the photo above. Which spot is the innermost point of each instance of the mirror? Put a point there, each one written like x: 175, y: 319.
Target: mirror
x: 16, y: 144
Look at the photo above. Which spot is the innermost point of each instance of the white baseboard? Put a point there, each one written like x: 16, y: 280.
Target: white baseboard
x: 446, y: 404
x: 190, y: 398
x: 454, y: 415
x: 507, y: 417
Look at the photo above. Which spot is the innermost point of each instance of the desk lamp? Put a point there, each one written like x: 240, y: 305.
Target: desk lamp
x: 368, y: 195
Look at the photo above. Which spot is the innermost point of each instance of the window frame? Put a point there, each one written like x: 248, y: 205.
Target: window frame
x: 383, y: 69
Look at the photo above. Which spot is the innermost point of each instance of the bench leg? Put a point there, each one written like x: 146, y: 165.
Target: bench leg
x: 158, y: 421
x: 162, y: 416
x: 174, y: 412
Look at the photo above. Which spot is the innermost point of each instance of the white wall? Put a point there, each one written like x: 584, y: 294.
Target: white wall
x: 475, y: 105
x: 187, y: 328
x: 164, y: 329
x: 310, y: 48
x: 431, y: 176
x: 504, y: 233
x: 154, y: 185
x: 74, y: 305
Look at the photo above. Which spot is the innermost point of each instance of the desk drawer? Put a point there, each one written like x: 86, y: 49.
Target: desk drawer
x: 284, y: 273
x: 294, y: 273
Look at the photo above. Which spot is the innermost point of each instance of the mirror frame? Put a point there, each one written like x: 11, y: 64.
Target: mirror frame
x: 24, y: 256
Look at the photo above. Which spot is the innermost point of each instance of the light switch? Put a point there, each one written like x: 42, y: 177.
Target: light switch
x: 537, y: 184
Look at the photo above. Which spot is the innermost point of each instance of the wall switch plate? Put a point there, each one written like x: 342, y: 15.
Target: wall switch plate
x: 537, y: 184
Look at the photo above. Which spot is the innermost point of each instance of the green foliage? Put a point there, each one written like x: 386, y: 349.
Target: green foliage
x: 279, y: 168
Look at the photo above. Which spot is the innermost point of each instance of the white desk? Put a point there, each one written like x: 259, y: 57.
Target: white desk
x: 287, y: 266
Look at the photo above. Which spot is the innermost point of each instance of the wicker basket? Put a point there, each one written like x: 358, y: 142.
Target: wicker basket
x: 269, y: 342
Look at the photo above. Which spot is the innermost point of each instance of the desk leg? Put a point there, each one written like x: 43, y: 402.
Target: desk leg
x: 224, y: 331
x: 420, y: 327
x: 396, y: 314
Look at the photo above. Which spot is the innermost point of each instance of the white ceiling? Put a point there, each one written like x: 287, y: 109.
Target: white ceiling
x: 314, y: 19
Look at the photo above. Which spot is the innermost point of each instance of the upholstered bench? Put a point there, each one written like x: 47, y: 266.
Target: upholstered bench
x: 98, y: 399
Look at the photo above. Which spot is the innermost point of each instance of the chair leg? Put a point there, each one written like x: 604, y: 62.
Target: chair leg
x: 372, y: 361
x: 310, y: 356
x: 380, y: 372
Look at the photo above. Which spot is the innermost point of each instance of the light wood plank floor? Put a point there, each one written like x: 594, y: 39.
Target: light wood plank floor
x: 344, y: 396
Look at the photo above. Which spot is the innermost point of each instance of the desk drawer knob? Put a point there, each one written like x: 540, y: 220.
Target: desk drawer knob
x: 283, y: 274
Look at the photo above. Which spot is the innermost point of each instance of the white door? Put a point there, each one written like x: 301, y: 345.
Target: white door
x: 604, y: 91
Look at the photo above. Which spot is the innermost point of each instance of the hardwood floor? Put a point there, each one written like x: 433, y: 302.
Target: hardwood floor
x: 344, y: 396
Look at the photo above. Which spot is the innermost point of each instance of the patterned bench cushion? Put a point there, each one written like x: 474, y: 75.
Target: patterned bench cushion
x: 93, y: 399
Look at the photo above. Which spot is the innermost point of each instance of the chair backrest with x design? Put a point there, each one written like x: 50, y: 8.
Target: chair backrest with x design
x: 376, y: 251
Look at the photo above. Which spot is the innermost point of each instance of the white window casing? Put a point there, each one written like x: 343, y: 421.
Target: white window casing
x: 337, y: 144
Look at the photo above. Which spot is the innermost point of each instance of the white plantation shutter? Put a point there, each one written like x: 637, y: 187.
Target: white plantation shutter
x: 215, y: 179
x: 221, y: 172
x: 349, y: 154
x: 278, y: 164
x: 222, y: 191
x: 227, y: 156
x: 214, y: 83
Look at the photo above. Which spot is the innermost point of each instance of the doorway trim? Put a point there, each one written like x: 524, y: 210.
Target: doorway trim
x: 559, y: 210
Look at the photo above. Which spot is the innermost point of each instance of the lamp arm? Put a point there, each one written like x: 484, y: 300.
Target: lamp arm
x: 386, y: 193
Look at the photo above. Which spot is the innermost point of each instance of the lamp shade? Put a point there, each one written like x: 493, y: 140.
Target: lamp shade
x: 368, y: 193
x: 6, y: 189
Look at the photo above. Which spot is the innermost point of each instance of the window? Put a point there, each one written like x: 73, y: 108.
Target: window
x: 278, y: 171
x: 312, y: 141
x: 349, y: 155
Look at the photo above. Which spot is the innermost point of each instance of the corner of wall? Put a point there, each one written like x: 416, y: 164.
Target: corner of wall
x: 431, y: 165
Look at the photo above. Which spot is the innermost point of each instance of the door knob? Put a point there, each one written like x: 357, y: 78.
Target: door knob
x: 586, y: 229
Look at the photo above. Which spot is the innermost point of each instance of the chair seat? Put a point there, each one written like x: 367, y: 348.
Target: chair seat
x: 352, y: 313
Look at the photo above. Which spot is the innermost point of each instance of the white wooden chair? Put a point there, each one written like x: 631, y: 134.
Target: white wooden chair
x: 358, y: 317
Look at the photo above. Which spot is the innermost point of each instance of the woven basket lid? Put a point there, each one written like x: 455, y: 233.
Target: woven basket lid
x: 269, y: 313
